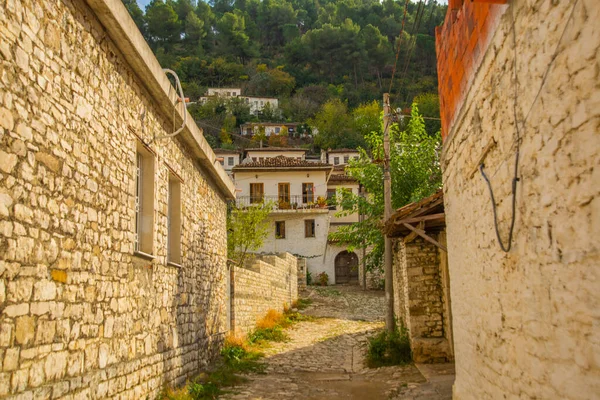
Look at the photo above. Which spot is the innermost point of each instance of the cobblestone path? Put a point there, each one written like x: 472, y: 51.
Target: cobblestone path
x: 324, y: 358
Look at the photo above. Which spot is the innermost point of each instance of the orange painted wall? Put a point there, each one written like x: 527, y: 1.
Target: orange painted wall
x: 461, y: 43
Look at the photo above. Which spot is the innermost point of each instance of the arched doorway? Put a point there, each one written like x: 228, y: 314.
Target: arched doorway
x: 346, y: 267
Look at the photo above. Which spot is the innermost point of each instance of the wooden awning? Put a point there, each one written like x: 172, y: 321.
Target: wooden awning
x: 417, y: 219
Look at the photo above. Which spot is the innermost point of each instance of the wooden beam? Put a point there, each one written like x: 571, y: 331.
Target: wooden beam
x: 411, y: 236
x: 440, y: 216
x: 425, y: 236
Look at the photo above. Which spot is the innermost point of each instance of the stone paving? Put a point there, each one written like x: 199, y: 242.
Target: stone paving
x: 324, y: 358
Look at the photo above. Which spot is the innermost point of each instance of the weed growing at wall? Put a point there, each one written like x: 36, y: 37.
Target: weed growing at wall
x: 240, y: 355
x: 389, y: 348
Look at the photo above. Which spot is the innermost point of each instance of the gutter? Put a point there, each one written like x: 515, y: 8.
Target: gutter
x: 124, y: 33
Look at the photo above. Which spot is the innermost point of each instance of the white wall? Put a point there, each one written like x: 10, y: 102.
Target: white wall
x: 313, y: 249
x: 347, y: 218
x: 258, y: 103
x: 225, y: 163
x: 331, y: 156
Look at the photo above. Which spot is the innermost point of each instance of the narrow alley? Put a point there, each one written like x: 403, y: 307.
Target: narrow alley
x: 325, y: 357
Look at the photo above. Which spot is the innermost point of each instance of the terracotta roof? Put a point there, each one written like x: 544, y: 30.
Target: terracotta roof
x: 342, y: 151
x: 226, y: 151
x: 276, y: 149
x: 281, y: 162
x: 341, y: 178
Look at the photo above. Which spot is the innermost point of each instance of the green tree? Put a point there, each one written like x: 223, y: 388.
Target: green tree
x: 247, y: 228
x: 429, y: 106
x: 415, y: 172
x: 163, y: 23
x: 334, y: 124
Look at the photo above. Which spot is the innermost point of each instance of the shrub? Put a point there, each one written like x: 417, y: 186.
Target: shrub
x: 389, y: 348
x: 270, y: 320
x: 308, y: 278
x: 323, y: 279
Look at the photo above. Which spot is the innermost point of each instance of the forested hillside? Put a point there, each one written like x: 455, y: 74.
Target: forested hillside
x: 305, y: 52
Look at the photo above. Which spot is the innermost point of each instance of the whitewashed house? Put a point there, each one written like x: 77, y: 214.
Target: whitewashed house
x: 256, y: 104
x: 339, y: 156
x: 270, y: 128
x: 300, y: 218
x: 228, y: 158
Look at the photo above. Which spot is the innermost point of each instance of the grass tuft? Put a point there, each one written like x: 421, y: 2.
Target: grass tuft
x: 389, y: 349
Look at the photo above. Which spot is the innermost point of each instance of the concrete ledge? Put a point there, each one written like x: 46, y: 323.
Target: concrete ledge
x: 124, y: 33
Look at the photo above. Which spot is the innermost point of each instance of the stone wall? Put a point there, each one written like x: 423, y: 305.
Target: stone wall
x: 80, y: 315
x: 301, y: 270
x: 265, y: 282
x: 419, y: 298
x: 526, y: 322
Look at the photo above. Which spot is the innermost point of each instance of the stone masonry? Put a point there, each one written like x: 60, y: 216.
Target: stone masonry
x: 265, y: 282
x: 419, y: 299
x: 526, y: 322
x: 80, y: 315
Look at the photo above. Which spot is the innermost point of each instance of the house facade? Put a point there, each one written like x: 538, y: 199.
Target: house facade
x: 256, y: 104
x: 340, y: 156
x: 260, y: 153
x: 228, y: 158
x: 113, y: 276
x: 520, y: 113
x: 269, y: 128
x: 299, y: 222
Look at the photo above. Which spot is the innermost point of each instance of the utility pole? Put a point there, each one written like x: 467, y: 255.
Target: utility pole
x: 387, y: 196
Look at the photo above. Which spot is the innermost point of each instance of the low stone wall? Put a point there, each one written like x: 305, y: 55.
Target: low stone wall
x: 419, y: 299
x: 264, y: 283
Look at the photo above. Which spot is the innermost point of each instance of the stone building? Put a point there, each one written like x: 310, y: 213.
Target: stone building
x: 519, y: 81
x: 421, y: 278
x: 113, y: 278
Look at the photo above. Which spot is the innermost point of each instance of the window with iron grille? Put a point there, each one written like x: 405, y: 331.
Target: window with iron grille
x: 346, y: 159
x: 144, y: 201
x: 336, y: 160
x: 174, y: 221
x: 279, y: 229
x: 308, y: 193
x: 309, y: 228
x: 257, y: 192
x: 230, y: 161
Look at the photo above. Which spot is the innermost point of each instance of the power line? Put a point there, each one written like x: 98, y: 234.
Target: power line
x: 398, y: 46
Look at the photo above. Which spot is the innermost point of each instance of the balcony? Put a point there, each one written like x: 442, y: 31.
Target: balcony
x: 286, y: 204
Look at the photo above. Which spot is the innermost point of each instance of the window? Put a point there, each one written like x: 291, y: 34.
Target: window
x: 144, y: 201
x: 229, y: 94
x: 331, y: 199
x: 234, y: 94
x: 309, y: 228
x: 284, y: 192
x: 253, y: 158
x: 257, y: 192
x: 230, y: 160
x: 308, y: 193
x: 279, y: 229
x: 277, y: 130
x: 174, y: 221
x: 336, y: 160
x: 346, y: 159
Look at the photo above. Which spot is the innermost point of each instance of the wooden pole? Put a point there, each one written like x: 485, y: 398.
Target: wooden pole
x: 387, y: 195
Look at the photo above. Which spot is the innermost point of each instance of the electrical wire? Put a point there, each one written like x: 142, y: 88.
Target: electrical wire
x: 398, y: 47
x: 506, y: 248
x: 182, y: 99
x: 416, y: 26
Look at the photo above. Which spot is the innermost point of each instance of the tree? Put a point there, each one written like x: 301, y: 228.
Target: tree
x: 335, y: 127
x: 163, y: 23
x: 247, y: 229
x: 429, y: 106
x: 367, y: 118
x: 415, y: 172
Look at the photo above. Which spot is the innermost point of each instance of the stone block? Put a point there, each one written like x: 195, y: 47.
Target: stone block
x: 24, y: 330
